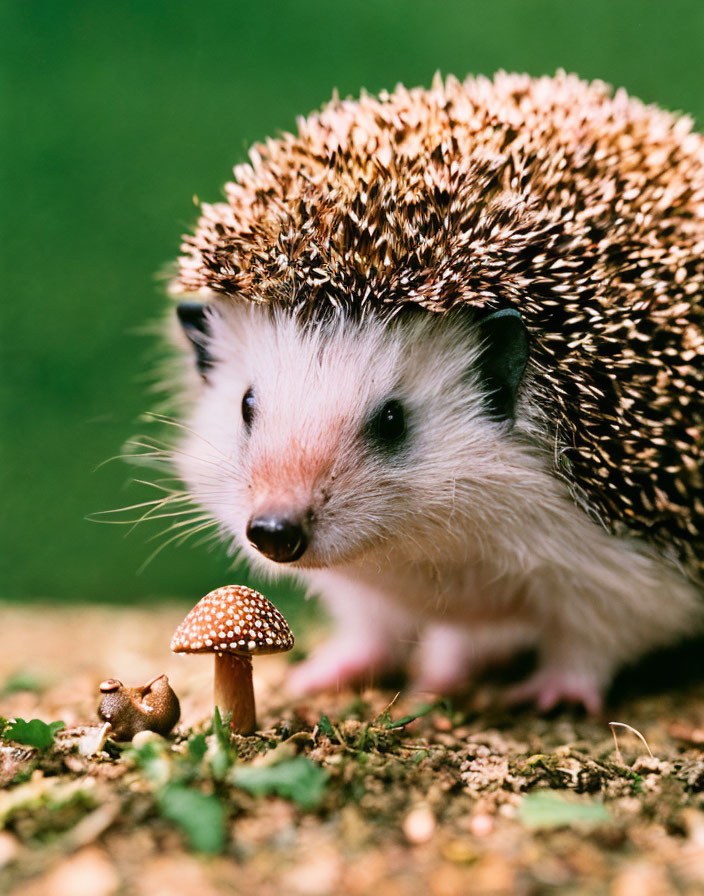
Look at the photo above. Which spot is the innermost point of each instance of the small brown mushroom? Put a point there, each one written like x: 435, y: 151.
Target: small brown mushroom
x: 235, y: 623
x: 152, y: 707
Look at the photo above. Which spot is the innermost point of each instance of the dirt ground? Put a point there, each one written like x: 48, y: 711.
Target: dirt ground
x: 339, y: 794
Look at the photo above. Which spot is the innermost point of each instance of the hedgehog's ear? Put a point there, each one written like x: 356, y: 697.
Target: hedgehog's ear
x: 195, y: 320
x: 504, y: 355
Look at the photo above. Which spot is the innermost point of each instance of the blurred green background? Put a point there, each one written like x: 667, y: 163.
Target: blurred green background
x: 112, y: 117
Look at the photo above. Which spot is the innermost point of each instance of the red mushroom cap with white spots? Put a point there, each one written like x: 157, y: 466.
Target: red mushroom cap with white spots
x: 233, y: 619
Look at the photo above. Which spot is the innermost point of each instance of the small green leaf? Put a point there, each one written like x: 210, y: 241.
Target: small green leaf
x: 152, y: 761
x: 221, y: 729
x: 197, y: 747
x: 547, y: 809
x: 34, y: 733
x: 224, y: 754
x: 299, y: 779
x: 199, y: 815
x: 325, y: 726
x: 422, y: 710
x: 21, y: 680
x: 220, y: 763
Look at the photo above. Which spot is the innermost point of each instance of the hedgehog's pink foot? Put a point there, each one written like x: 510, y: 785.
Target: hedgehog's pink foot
x: 550, y: 687
x: 336, y: 664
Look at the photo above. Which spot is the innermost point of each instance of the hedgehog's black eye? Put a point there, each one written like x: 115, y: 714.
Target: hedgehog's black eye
x: 387, y: 428
x: 249, y: 406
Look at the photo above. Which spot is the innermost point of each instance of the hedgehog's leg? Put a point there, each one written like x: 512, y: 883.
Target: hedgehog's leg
x: 610, y: 608
x: 370, y: 636
x: 443, y: 663
x: 449, y: 657
x: 574, y: 667
x: 551, y: 686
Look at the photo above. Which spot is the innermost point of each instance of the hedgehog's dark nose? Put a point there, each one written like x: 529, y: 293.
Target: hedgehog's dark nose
x: 277, y: 537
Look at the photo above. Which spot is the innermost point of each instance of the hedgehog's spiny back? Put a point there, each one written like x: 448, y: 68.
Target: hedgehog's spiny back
x: 583, y: 211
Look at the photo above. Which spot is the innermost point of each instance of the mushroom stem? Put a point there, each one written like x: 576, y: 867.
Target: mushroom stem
x: 233, y: 690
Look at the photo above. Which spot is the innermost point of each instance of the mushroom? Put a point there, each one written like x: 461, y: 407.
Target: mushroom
x: 152, y: 707
x: 235, y: 623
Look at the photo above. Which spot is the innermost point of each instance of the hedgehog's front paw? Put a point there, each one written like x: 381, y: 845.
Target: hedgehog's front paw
x: 550, y: 687
x: 448, y: 657
x: 336, y: 664
x: 444, y: 661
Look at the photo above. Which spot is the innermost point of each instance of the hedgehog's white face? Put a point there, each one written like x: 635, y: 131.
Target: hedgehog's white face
x: 317, y: 445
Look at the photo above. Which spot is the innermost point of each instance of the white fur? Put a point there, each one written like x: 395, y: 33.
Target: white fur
x: 466, y: 534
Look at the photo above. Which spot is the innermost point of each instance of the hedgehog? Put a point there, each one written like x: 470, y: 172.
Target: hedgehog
x: 448, y: 360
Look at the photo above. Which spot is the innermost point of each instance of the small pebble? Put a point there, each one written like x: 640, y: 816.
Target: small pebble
x: 481, y: 825
x: 419, y: 825
x: 693, y: 822
x: 147, y: 737
x: 87, y: 873
x: 641, y: 878
x: 645, y: 764
x: 9, y: 848
x: 459, y: 851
